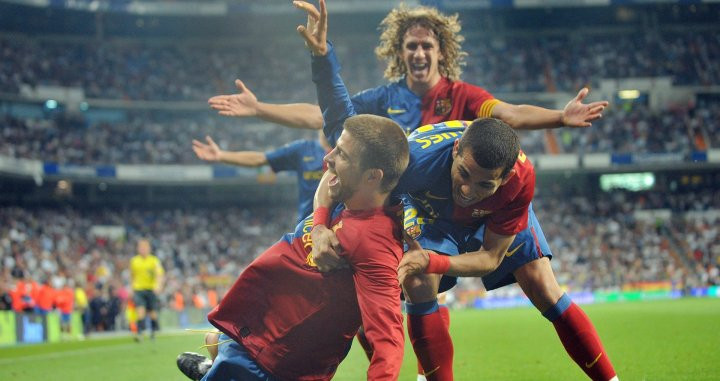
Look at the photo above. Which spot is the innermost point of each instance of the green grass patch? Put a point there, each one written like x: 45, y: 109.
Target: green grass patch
x: 658, y: 340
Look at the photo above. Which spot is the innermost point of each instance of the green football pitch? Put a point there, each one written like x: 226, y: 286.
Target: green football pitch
x: 659, y: 340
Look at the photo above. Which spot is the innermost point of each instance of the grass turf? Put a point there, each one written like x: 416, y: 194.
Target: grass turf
x: 659, y: 340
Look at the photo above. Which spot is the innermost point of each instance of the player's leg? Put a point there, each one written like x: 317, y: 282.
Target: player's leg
x: 576, y: 331
x: 153, y: 307
x: 427, y: 326
x: 428, y: 332
x: 211, y: 343
x: 445, y: 314
x: 140, y: 309
x: 573, y: 326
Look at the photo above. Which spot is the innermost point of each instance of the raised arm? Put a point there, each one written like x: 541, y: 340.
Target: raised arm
x: 245, y: 104
x: 211, y: 152
x: 527, y: 117
x: 333, y: 96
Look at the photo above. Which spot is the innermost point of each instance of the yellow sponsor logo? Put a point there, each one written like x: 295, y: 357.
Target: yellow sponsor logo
x: 590, y: 365
x: 394, y: 111
x: 308, y: 158
x: 312, y: 175
x: 310, y: 261
x: 511, y: 252
x: 429, y: 140
x: 522, y: 157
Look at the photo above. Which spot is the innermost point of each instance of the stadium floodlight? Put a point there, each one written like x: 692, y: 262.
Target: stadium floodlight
x: 51, y: 104
x: 629, y: 94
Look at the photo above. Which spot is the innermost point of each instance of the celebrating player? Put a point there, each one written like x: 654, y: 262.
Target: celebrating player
x: 283, y: 318
x: 468, y: 192
x: 423, y: 50
x: 304, y: 157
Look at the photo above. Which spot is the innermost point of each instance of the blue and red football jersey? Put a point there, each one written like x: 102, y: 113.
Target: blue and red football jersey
x: 305, y: 158
x: 298, y: 323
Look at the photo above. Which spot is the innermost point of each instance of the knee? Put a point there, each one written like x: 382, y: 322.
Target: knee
x: 421, y: 288
x: 211, y: 340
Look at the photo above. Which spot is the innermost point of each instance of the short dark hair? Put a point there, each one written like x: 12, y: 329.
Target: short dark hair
x: 383, y: 145
x: 494, y: 144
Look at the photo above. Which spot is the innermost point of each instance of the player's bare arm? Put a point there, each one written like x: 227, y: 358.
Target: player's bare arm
x: 212, y: 153
x: 527, y: 117
x: 245, y: 104
x: 471, y: 264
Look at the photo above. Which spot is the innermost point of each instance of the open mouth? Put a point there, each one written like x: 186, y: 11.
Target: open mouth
x: 417, y: 68
x: 463, y: 200
x: 334, y: 180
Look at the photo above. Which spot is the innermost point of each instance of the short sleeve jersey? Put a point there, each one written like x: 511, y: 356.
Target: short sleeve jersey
x: 305, y: 158
x: 427, y: 181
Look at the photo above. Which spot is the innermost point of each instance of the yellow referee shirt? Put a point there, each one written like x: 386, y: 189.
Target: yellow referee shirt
x: 145, y: 272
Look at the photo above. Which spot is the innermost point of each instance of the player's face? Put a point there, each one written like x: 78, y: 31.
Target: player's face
x: 344, y: 168
x: 421, y: 54
x: 143, y: 247
x: 472, y: 183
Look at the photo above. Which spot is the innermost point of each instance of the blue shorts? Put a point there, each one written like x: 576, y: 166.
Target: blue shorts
x: 444, y: 237
x: 233, y: 363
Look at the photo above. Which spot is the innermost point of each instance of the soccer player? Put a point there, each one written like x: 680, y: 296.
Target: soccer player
x: 422, y: 48
x: 283, y: 318
x: 146, y: 273
x: 468, y: 190
x: 304, y: 157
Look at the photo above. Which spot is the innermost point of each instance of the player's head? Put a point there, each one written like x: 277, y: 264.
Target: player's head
x: 370, y: 156
x: 143, y: 247
x: 421, y: 43
x: 483, y: 160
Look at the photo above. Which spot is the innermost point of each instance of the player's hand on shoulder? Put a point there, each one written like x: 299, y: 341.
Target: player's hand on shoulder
x: 315, y: 32
x: 326, y: 250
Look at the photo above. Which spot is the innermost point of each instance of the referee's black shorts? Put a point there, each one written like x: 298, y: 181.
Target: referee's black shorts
x: 147, y: 299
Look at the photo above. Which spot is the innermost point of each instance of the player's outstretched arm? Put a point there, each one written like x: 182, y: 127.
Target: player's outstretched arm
x: 245, y: 104
x: 527, y: 117
x: 471, y: 264
x: 212, y: 153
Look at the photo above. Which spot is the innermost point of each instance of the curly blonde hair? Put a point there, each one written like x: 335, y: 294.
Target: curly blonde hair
x: 445, y: 28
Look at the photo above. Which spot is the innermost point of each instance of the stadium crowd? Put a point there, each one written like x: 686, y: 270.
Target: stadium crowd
x: 163, y: 138
x: 57, y: 249
x: 145, y: 138
x: 599, y: 244
x: 195, y: 71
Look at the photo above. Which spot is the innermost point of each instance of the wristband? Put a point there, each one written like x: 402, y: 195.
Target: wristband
x: 320, y: 216
x: 439, y: 264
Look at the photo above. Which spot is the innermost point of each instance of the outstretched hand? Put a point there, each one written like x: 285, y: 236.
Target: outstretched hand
x: 242, y: 104
x: 315, y: 32
x: 578, y: 114
x: 414, y: 261
x: 207, y: 152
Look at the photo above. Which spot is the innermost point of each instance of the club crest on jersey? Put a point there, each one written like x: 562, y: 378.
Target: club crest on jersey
x: 443, y: 106
x: 413, y: 231
x: 477, y: 213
